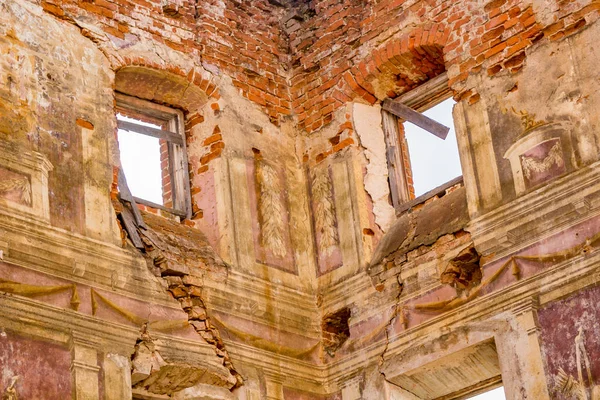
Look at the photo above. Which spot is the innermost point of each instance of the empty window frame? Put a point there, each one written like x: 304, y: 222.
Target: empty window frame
x: 153, y: 154
x: 419, y: 160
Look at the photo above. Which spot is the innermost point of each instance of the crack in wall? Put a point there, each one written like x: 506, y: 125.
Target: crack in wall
x: 187, y: 290
x: 389, y: 325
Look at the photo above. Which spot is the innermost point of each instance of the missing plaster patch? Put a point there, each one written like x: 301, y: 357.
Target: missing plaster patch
x: 368, y: 125
x: 463, y: 271
x: 335, y: 330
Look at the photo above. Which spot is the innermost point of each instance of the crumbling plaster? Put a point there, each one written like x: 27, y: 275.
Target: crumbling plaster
x: 256, y: 324
x: 368, y: 125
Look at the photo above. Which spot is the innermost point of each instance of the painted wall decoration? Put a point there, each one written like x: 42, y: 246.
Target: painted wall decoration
x: 542, y: 162
x: 15, y: 187
x: 33, y: 369
x: 569, y: 336
x: 539, y: 156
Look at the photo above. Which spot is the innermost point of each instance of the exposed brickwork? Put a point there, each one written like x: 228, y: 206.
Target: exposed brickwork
x: 340, y: 141
x: 167, y: 192
x: 405, y: 156
x: 308, y: 60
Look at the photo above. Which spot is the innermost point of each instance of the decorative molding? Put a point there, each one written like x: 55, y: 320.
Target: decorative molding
x: 161, y: 325
x: 271, y: 209
x: 22, y: 289
x: 67, y: 327
x: 527, y: 166
x: 76, y: 258
x: 324, y: 211
x: 28, y: 174
x: 577, y: 191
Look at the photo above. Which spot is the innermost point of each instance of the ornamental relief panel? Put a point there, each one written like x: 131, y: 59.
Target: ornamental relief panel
x: 542, y: 154
x: 271, y: 209
x: 270, y: 215
x: 24, y: 182
x: 325, y: 220
x: 15, y: 187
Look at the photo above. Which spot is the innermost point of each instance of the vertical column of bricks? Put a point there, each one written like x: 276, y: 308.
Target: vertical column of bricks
x: 166, y: 176
x: 405, y: 155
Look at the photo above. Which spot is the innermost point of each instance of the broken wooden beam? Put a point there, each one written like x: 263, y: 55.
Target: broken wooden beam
x: 408, y: 114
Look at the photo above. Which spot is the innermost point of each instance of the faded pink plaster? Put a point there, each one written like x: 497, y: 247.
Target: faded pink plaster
x: 12, y: 273
x: 560, y: 322
x: 153, y: 312
x: 147, y: 311
x: 278, y: 337
x: 43, y: 368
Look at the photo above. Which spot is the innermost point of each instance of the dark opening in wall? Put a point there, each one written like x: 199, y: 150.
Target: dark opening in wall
x: 463, y: 272
x: 335, y: 330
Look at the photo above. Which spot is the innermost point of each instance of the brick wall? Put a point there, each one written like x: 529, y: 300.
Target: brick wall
x: 371, y: 51
x: 308, y: 59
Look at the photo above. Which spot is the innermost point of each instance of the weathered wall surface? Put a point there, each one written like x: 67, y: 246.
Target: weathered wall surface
x: 294, y: 278
x: 569, y: 348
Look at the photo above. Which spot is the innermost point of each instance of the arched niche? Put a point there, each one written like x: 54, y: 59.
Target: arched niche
x: 541, y: 155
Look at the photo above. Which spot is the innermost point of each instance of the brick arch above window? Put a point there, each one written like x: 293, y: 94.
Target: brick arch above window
x: 399, y: 65
x: 189, y: 92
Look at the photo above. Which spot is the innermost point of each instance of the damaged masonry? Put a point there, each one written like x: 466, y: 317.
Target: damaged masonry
x: 284, y: 254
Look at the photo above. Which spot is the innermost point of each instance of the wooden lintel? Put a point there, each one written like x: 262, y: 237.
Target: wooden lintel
x: 408, y: 114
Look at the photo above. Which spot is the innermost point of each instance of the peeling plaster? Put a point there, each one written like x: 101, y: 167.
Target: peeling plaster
x: 367, y: 123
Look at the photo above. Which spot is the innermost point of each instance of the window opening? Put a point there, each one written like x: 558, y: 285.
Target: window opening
x: 153, y: 154
x: 140, y: 160
x: 495, y: 394
x: 433, y: 161
x: 422, y: 151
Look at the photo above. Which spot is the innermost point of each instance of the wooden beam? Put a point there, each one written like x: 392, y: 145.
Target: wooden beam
x: 146, y: 130
x: 125, y: 194
x: 410, y: 115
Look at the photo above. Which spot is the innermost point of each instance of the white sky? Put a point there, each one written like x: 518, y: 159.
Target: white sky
x: 496, y: 394
x: 434, y: 161
x: 140, y: 158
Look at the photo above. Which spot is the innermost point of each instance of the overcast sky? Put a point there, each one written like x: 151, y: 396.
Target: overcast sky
x: 496, y: 394
x: 140, y: 158
x: 434, y: 161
